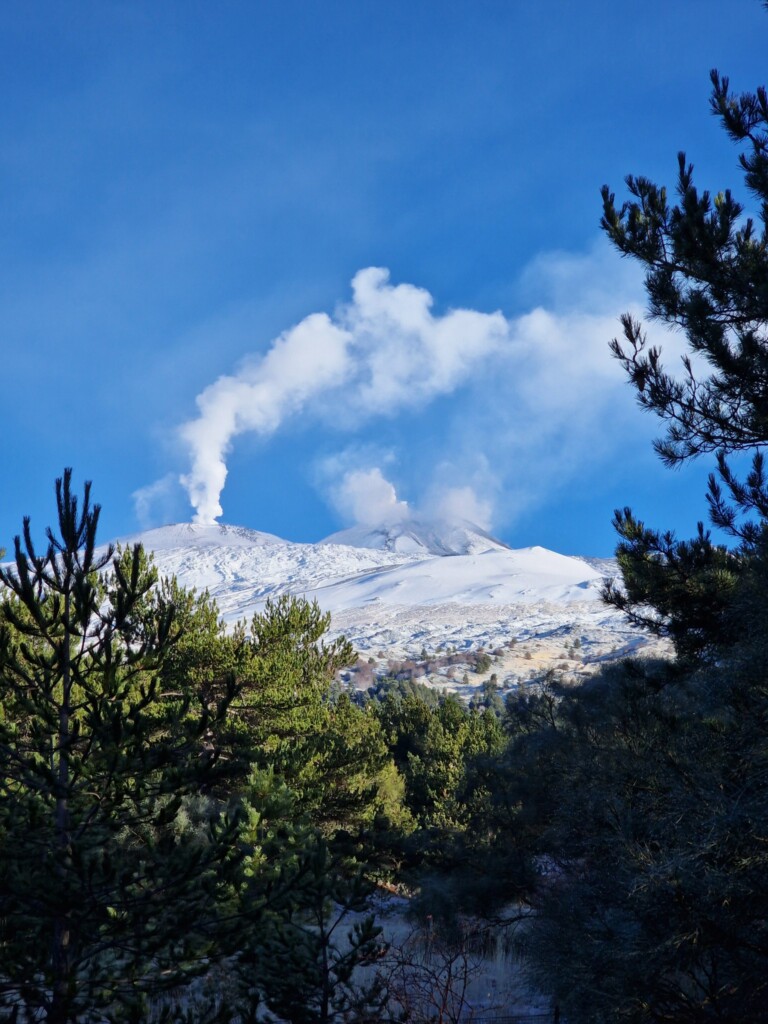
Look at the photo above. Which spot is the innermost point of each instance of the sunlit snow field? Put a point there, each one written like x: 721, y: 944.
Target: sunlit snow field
x: 394, y: 597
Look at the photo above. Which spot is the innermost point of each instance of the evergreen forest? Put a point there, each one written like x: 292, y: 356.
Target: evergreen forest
x: 193, y: 820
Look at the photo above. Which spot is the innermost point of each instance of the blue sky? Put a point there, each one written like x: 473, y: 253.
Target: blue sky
x: 184, y: 183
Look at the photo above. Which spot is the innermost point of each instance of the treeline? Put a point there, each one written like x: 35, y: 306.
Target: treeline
x: 189, y: 816
x: 192, y: 820
x: 645, y: 792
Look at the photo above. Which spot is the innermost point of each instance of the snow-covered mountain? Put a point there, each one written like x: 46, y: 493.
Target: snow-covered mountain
x: 414, y: 563
x: 400, y: 587
x: 420, y: 537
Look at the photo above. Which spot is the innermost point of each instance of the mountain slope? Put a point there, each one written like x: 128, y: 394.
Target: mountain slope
x: 420, y: 536
x: 476, y: 592
x: 494, y: 577
x: 242, y: 567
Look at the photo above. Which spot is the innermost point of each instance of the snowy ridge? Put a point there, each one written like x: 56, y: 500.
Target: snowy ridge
x: 196, y: 535
x: 420, y: 536
x: 241, y: 567
x: 529, y: 576
x: 403, y: 586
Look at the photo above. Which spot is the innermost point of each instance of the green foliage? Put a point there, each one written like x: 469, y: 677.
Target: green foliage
x: 706, y: 266
x: 315, y: 954
x: 111, y: 859
x: 489, y: 697
x: 447, y: 756
x: 292, y: 669
x: 186, y: 813
x: 328, y: 750
x: 483, y: 662
x: 405, y: 688
x: 303, y: 927
x: 679, y: 589
x: 645, y: 790
x: 432, y: 747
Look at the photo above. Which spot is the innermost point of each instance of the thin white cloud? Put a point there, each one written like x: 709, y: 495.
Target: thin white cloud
x: 464, y: 486
x: 557, y: 407
x: 364, y: 495
x: 154, y: 504
x: 462, y: 502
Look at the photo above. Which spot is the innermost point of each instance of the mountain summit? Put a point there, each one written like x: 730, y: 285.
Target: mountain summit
x: 413, y: 562
x: 419, y: 536
x: 400, y: 586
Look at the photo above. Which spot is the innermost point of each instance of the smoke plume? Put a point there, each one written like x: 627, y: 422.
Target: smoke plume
x: 382, y: 352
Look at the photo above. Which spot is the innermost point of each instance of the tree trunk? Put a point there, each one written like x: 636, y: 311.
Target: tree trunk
x: 61, y: 956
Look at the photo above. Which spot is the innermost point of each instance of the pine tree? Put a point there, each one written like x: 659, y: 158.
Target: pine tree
x: 706, y: 266
x: 646, y: 786
x: 318, y: 953
x: 707, y: 273
x: 112, y: 858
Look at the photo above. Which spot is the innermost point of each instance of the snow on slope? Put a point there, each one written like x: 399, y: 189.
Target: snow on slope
x: 382, y: 596
x: 195, y: 535
x: 420, y: 536
x: 241, y: 568
x: 493, y: 577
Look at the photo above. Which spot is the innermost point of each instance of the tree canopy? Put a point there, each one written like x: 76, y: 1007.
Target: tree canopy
x: 112, y: 864
x: 645, y: 789
x: 176, y: 800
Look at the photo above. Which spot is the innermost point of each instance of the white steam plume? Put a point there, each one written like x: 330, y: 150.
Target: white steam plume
x: 310, y: 358
x: 385, y: 349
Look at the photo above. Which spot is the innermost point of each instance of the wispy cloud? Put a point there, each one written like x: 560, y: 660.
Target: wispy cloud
x: 156, y: 502
x: 365, y: 495
x: 463, y: 486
